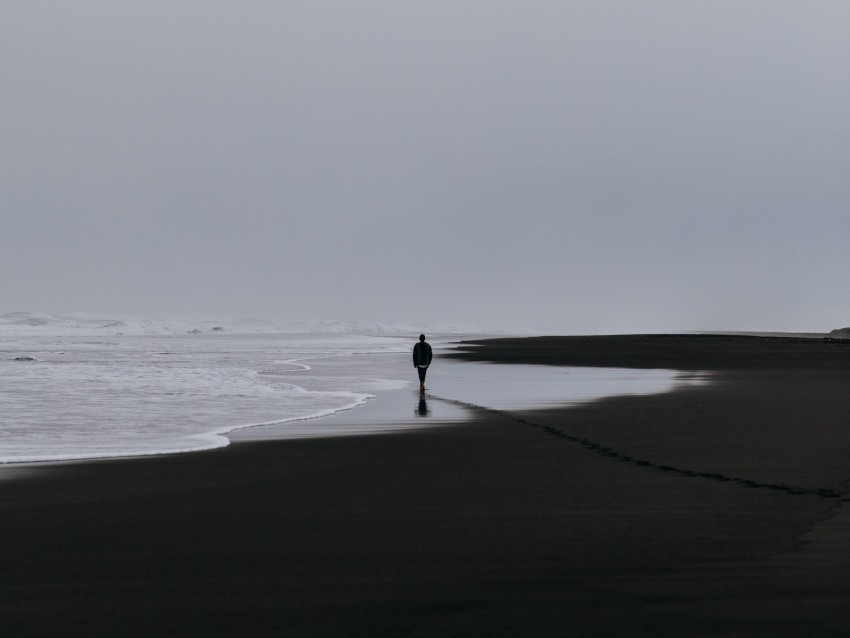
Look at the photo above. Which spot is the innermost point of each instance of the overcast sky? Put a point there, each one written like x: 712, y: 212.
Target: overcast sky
x: 563, y: 166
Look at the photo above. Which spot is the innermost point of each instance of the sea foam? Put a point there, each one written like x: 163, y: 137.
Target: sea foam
x: 100, y: 395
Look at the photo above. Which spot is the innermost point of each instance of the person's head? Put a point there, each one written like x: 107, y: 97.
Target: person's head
x: 421, y: 337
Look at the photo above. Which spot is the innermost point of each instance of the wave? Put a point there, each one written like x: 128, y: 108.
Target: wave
x: 199, y: 442
x: 37, y: 323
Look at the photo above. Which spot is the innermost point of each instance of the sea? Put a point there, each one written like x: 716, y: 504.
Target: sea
x: 95, y: 386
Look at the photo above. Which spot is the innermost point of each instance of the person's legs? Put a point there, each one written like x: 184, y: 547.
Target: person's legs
x: 422, y: 372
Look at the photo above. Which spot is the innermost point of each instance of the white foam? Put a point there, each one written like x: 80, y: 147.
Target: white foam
x: 141, y: 395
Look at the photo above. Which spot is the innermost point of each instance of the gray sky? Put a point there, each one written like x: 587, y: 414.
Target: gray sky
x: 599, y: 166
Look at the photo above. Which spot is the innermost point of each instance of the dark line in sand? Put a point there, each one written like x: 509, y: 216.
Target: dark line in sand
x: 625, y: 458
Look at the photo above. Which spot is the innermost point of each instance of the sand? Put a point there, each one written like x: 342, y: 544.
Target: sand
x: 715, y: 510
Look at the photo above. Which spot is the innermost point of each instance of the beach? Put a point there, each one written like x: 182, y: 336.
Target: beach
x: 717, y: 509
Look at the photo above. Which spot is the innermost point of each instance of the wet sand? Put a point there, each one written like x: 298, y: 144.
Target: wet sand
x: 715, y: 510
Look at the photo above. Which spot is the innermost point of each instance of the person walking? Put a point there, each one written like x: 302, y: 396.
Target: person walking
x: 421, y: 360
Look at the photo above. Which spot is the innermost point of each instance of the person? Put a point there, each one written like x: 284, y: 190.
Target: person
x: 421, y: 360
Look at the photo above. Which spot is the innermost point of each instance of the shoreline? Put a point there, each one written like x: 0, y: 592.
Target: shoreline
x: 138, y: 396
x: 497, y: 525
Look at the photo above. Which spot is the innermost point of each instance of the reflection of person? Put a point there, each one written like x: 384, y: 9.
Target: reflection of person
x: 422, y: 408
x: 421, y: 360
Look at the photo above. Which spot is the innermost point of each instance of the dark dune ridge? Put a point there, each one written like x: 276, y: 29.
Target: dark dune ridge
x: 673, y: 351
x: 714, y: 510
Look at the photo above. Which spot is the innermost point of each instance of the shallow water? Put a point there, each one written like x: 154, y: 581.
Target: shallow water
x: 528, y: 387
x: 454, y: 387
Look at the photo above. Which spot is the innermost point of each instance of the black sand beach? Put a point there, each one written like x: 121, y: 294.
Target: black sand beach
x: 715, y: 510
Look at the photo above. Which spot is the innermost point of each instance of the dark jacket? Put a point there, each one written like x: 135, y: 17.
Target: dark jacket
x: 422, y: 354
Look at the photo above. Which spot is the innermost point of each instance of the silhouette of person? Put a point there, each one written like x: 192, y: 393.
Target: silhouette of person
x: 421, y: 360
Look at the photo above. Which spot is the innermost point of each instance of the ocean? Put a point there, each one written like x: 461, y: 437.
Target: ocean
x: 101, y: 387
